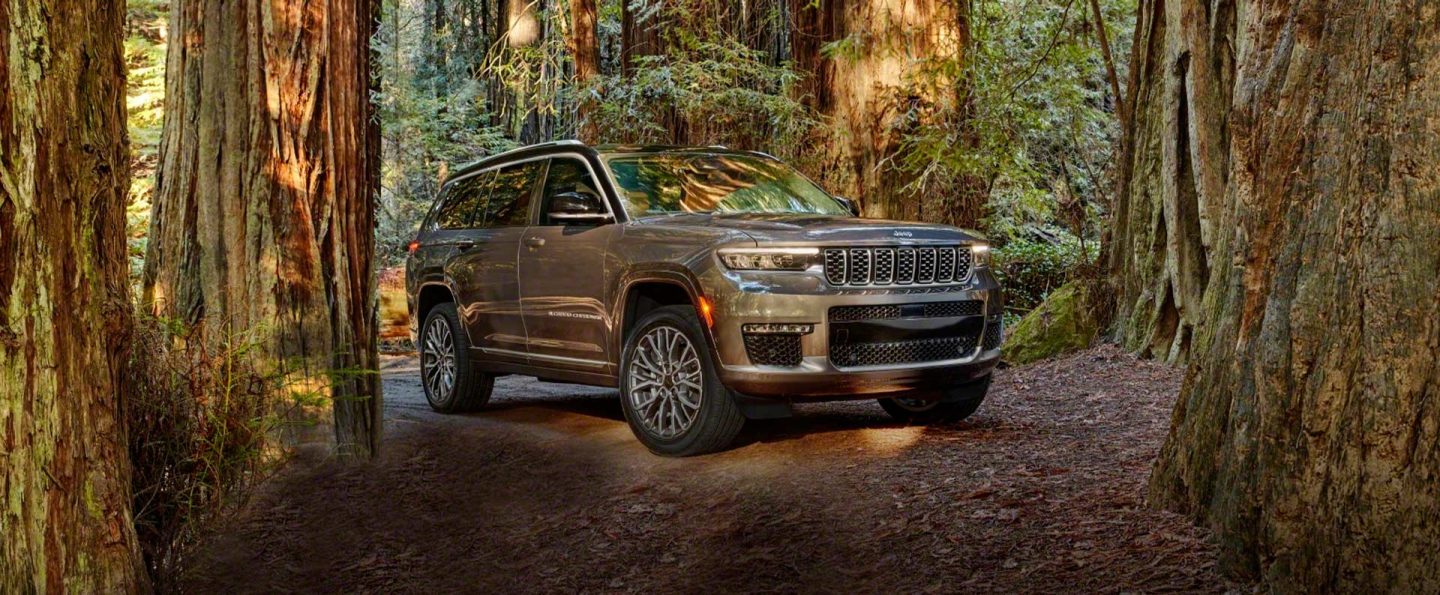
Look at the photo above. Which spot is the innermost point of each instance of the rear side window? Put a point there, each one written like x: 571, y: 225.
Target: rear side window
x: 461, y: 202
x: 508, y: 194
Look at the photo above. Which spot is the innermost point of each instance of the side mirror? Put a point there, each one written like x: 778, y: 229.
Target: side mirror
x: 579, y: 208
x: 849, y: 205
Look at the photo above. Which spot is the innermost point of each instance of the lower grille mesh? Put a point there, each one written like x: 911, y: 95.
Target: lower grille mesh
x: 773, y: 350
x: 901, y: 352
x: 994, y: 334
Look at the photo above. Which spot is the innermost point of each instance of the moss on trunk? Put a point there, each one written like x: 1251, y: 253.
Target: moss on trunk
x: 65, y: 316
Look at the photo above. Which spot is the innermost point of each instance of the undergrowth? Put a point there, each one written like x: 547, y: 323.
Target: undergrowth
x: 201, y: 424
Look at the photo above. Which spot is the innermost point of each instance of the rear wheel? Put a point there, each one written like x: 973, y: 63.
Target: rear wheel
x: 672, y: 397
x: 943, y: 406
x: 451, y: 384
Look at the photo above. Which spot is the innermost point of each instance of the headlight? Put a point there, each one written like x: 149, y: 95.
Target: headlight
x: 980, y: 255
x: 769, y: 259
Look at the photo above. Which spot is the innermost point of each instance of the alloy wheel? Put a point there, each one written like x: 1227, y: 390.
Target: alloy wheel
x: 665, y: 380
x: 437, y: 360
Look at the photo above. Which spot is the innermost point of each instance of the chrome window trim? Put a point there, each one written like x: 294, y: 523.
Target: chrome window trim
x: 534, y: 212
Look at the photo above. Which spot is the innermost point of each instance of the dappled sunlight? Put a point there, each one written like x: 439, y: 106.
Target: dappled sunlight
x: 891, y: 441
x: 525, y: 30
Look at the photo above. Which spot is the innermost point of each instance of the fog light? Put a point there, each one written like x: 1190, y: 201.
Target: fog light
x: 779, y: 329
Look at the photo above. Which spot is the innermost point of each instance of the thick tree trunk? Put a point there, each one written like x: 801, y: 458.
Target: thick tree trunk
x: 1173, y: 173
x: 584, y: 41
x: 65, y: 314
x: 264, y: 216
x: 1308, y: 430
x: 639, y: 32
x: 872, y: 96
x: 814, y: 25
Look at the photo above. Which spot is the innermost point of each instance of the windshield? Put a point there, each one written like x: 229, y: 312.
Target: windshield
x: 664, y: 183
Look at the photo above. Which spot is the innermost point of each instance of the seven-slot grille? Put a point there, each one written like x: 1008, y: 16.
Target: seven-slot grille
x: 888, y: 266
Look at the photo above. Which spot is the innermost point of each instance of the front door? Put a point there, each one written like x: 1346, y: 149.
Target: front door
x: 490, y: 295
x: 562, y: 276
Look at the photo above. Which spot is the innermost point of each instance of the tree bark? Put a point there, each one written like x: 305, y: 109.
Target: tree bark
x: 1307, y: 433
x: 264, y: 209
x: 814, y: 25
x: 872, y: 95
x: 639, y: 32
x: 881, y: 85
x: 65, y: 316
x: 1173, y: 173
x: 584, y: 41
x: 1102, y: 37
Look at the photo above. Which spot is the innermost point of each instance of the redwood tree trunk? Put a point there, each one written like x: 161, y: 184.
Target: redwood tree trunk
x: 264, y: 208
x: 1173, y: 173
x: 584, y: 41
x: 871, y: 93
x: 1308, y: 429
x: 65, y: 316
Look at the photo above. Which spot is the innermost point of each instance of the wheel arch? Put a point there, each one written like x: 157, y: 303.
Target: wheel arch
x: 430, y: 294
x: 644, y: 290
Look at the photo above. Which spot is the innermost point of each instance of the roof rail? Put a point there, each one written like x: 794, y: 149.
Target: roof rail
x: 569, y: 142
x: 721, y: 147
x: 764, y: 154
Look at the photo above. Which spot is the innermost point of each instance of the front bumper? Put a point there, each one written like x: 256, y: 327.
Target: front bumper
x: 800, y: 298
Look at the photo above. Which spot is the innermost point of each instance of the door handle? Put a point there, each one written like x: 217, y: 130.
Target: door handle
x: 534, y: 242
x: 465, y: 244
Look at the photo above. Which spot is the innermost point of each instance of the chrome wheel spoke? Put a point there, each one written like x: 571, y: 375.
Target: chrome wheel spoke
x: 437, y: 362
x: 665, y: 382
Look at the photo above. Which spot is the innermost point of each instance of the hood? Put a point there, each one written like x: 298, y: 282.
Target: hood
x: 817, y: 228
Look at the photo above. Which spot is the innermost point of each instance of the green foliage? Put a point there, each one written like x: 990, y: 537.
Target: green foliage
x: 435, y: 114
x: 200, y: 423
x: 145, y: 28
x: 705, y: 89
x: 1030, y: 269
x: 1032, y: 119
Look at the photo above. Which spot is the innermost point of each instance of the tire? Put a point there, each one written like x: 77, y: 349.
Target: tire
x: 468, y: 389
x: 657, y: 388
x: 937, y: 407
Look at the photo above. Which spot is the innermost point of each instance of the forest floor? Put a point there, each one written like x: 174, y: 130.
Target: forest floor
x: 547, y: 491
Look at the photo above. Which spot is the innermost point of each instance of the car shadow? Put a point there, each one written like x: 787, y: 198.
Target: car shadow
x: 550, y: 404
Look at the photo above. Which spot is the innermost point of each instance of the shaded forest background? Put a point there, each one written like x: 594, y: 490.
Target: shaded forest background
x: 996, y: 115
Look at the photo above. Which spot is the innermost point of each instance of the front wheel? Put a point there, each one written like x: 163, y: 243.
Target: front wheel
x: 944, y: 406
x: 671, y: 394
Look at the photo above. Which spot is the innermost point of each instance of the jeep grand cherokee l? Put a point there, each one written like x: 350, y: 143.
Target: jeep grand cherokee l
x: 708, y: 285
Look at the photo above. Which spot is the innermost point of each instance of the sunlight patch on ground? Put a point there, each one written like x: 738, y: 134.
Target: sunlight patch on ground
x: 890, y: 441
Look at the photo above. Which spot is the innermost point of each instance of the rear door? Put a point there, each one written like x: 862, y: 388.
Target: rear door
x: 562, y: 277
x: 490, y: 292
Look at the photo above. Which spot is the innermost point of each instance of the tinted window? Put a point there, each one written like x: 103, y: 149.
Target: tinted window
x: 509, y: 195
x: 716, y: 183
x: 461, y: 200
x: 565, y: 175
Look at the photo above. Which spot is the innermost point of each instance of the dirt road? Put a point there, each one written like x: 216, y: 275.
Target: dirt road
x: 548, y: 492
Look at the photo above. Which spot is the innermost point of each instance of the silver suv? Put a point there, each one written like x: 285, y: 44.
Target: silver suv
x: 708, y: 285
